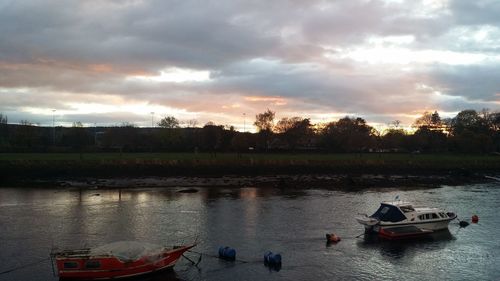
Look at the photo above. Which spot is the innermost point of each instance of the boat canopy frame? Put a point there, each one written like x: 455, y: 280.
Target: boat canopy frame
x: 390, y: 213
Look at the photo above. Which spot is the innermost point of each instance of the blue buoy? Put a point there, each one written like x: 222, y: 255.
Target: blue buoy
x: 272, y: 259
x: 227, y: 253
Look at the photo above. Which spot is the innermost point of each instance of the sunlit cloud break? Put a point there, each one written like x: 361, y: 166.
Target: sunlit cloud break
x: 175, y: 75
x: 394, y: 55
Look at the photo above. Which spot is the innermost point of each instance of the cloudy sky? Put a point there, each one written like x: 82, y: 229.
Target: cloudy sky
x: 108, y: 62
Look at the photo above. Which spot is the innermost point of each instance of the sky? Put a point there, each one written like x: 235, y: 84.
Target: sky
x: 109, y: 62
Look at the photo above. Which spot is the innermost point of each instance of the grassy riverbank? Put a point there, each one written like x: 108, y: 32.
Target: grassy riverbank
x: 27, y: 167
x: 363, y: 157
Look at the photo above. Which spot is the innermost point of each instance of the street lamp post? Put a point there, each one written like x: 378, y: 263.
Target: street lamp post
x: 53, y: 127
x: 244, y: 122
x: 152, y: 119
x: 95, y: 133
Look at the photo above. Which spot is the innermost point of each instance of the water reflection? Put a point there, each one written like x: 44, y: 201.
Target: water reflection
x: 291, y: 222
x: 396, y: 248
x: 164, y: 275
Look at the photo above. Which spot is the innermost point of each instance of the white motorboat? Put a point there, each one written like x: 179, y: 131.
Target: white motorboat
x: 401, y: 213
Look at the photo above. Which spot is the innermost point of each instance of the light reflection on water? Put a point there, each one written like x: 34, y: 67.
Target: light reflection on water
x: 292, y: 222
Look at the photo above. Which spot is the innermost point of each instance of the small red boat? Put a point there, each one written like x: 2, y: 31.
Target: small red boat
x: 116, y: 260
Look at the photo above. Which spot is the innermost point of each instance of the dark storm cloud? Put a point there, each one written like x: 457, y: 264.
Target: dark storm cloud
x: 148, y: 34
x: 475, y: 82
x: 478, y: 12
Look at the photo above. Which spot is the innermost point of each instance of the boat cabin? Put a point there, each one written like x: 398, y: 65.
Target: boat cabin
x: 400, y: 211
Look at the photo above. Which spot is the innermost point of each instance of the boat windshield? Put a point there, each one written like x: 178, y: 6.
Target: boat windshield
x: 388, y: 213
x: 407, y: 209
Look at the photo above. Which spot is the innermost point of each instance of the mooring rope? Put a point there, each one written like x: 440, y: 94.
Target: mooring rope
x: 215, y: 256
x: 362, y: 234
x: 24, y: 266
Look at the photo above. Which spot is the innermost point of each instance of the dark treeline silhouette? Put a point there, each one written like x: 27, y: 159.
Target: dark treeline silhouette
x: 468, y: 132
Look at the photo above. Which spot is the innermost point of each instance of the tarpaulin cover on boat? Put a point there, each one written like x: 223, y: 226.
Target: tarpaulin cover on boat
x: 127, y: 250
x: 388, y: 213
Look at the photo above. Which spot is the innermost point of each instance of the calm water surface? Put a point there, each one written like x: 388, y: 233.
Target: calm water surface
x: 253, y: 221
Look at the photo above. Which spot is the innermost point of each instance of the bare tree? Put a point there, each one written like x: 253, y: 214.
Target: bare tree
x: 395, y: 124
x: 169, y: 122
x: 26, y: 123
x: 191, y: 123
x: 3, y: 119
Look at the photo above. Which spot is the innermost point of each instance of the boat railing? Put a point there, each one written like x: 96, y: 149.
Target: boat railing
x: 71, y: 253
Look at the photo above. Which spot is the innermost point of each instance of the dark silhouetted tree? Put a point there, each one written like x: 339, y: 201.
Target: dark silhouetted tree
x: 430, y: 121
x: 240, y: 143
x: 4, y: 133
x: 124, y: 137
x: 168, y: 122
x: 468, y: 120
x: 264, y: 123
x: 3, y: 119
x: 430, y: 135
x: 25, y: 136
x: 211, y: 138
x: 429, y: 140
x: 78, y: 138
x: 348, y: 135
x: 394, y: 139
x: 471, y: 133
x: 494, y: 124
x: 294, y: 130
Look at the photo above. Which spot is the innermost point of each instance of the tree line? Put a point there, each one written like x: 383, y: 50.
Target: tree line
x: 468, y: 132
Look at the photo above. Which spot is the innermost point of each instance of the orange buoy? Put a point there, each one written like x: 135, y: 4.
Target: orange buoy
x: 475, y: 219
x: 332, y: 238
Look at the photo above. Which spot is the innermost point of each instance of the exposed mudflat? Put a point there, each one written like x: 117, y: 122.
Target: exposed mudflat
x: 278, y: 181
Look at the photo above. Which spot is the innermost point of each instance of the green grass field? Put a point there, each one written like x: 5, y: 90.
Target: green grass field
x: 223, y: 161
x: 257, y: 156
x: 19, y: 166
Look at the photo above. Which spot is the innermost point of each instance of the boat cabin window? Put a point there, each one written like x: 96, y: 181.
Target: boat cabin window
x: 70, y: 264
x: 384, y: 210
x: 443, y: 215
x: 435, y: 216
x: 427, y: 216
x: 93, y: 264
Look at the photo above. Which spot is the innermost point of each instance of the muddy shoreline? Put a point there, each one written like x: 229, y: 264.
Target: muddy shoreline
x: 305, y: 181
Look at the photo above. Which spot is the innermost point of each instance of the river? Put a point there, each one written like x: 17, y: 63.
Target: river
x: 292, y: 222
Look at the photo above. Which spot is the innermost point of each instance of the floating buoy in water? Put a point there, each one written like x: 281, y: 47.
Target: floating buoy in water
x: 463, y: 223
x: 227, y: 253
x: 332, y: 238
x: 475, y: 219
x: 271, y: 259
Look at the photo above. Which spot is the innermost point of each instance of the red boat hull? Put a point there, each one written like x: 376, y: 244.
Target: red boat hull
x: 400, y: 233
x: 113, y: 268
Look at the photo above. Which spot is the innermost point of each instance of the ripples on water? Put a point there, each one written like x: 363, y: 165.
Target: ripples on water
x: 253, y: 221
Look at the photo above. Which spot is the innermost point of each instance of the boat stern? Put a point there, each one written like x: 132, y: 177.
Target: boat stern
x: 367, y: 221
